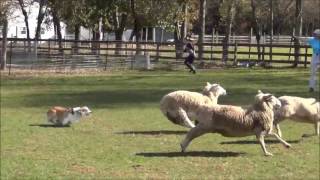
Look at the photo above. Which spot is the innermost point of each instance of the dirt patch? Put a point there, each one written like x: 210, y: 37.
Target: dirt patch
x: 83, y: 169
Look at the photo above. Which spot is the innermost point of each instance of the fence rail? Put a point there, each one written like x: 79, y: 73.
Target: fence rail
x: 46, y: 53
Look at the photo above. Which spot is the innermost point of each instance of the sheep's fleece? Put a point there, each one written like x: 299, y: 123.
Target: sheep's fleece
x: 179, y: 106
x: 233, y: 121
x: 298, y: 109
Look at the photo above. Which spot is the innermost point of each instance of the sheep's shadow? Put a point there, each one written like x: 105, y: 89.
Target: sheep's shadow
x: 152, y: 133
x: 191, y: 154
x: 268, y: 141
x: 49, y: 126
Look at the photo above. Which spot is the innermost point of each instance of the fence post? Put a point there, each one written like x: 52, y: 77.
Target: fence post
x: 233, y: 37
x: 217, y: 37
x: 305, y: 57
x: 106, y: 63
x: 35, y: 52
x: 126, y: 48
x: 270, y: 51
x: 49, y: 47
x: 263, y: 51
x: 250, y: 36
x: 24, y: 46
x: 10, y: 61
x: 296, y: 51
x: 158, y: 52
x: 235, y: 55
x: 212, y: 41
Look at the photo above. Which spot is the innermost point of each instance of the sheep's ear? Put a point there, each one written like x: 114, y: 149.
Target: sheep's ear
x: 260, y: 92
x: 268, y: 97
x: 208, y: 84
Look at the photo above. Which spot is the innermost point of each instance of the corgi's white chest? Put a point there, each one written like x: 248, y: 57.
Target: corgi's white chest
x: 71, y: 118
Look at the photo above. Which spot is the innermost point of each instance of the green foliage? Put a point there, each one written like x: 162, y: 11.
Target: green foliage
x: 127, y: 137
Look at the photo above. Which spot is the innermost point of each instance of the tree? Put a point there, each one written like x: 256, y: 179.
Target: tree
x: 202, y: 19
x: 114, y: 16
x: 55, y: 11
x: 41, y: 14
x: 153, y: 13
x: 75, y: 14
x: 6, y: 8
x: 120, y: 21
x: 229, y: 9
x: 137, y: 26
x: 4, y: 22
x: 23, y: 5
x: 297, y: 32
x: 256, y: 26
x: 183, y: 13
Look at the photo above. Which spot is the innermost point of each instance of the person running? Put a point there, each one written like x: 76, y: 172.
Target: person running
x: 315, y: 61
x: 189, y: 49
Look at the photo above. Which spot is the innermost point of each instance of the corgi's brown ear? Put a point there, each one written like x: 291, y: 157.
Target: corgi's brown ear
x: 71, y: 110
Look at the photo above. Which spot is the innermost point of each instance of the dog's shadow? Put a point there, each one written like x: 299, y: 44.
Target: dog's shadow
x: 191, y: 154
x: 49, y: 125
x: 153, y: 133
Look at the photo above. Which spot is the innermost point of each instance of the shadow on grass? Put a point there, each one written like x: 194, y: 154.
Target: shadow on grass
x: 256, y: 142
x: 49, y: 126
x: 192, y: 154
x: 102, y: 99
x: 164, y: 132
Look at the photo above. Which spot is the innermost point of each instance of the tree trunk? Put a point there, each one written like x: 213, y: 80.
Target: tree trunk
x: 178, y: 41
x: 56, y: 22
x: 202, y: 19
x: 40, y: 18
x: 256, y: 27
x: 184, y: 26
x: 180, y: 34
x: 26, y: 17
x: 297, y: 32
x: 230, y: 17
x: 97, y: 37
x: 271, y: 29
x: 4, y: 45
x: 137, y: 28
x: 76, y: 38
x: 119, y: 29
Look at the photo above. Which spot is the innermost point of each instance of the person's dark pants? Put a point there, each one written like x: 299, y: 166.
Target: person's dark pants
x: 188, y: 62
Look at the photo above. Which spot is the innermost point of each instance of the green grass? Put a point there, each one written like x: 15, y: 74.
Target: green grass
x: 127, y: 137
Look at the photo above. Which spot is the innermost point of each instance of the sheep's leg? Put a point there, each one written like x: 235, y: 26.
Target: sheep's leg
x: 317, y: 127
x: 277, y: 127
x: 317, y: 130
x: 260, y: 138
x: 280, y: 139
x: 186, y: 121
x: 193, y: 133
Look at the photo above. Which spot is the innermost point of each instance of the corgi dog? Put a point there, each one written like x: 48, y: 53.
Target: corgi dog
x: 62, y: 116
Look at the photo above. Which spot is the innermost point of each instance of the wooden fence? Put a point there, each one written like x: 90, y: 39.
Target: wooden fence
x: 46, y: 53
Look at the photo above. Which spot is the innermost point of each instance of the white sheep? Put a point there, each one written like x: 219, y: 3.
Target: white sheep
x: 233, y: 121
x: 298, y: 109
x: 179, y: 106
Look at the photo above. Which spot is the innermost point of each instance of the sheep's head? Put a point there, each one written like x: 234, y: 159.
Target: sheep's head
x: 216, y: 89
x: 83, y: 111
x: 269, y: 99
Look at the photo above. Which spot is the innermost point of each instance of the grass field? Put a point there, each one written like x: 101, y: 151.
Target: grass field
x: 127, y: 137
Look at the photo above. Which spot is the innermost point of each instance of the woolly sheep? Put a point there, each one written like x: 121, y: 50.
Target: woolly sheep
x: 179, y: 106
x: 298, y: 109
x: 233, y: 121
